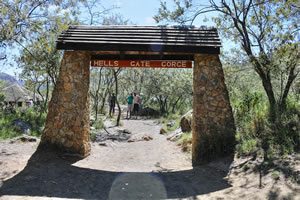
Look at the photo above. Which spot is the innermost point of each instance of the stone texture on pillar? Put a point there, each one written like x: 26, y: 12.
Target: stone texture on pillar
x: 213, y: 123
x: 68, y: 122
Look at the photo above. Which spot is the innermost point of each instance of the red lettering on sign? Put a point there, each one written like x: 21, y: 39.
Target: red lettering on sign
x: 142, y: 63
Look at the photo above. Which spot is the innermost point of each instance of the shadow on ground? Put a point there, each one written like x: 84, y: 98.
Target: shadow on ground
x: 47, y: 174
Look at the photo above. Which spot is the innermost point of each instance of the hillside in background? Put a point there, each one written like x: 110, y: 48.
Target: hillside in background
x: 9, y: 78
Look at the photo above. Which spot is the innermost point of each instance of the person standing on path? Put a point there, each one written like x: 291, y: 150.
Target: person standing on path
x: 112, y: 104
x: 136, y: 100
x: 130, y: 105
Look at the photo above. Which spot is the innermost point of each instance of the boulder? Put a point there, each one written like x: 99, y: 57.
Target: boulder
x: 24, y: 138
x: 186, y: 122
x: 127, y: 131
x: 162, y: 131
x: 147, y: 111
x: 22, y: 126
x: 171, y: 124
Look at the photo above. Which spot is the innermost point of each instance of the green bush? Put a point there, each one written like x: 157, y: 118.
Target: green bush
x: 32, y: 117
x: 99, y: 124
x: 257, y: 133
x: 185, y: 141
x: 93, y: 136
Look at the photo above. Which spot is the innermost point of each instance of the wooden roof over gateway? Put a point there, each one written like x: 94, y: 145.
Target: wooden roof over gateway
x: 185, y: 39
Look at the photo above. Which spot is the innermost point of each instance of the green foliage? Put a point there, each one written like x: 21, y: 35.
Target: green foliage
x: 93, y: 136
x: 246, y: 167
x: 99, y: 124
x: 32, y: 117
x: 2, y: 97
x: 256, y: 133
x: 36, y: 120
x: 170, y: 118
x: 3, y: 84
x: 276, y: 175
x: 6, y: 130
x: 185, y: 142
x: 246, y: 146
x: 265, y: 34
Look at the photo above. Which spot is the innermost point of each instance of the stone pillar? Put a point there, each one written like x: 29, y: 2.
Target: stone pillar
x: 68, y: 122
x: 213, y: 123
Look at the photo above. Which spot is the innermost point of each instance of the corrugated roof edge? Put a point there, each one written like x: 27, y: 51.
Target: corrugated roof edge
x: 145, y: 26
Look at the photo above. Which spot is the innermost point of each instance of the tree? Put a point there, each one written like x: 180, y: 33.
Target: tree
x: 22, y: 19
x: 116, y: 73
x: 266, y: 31
x: 40, y: 60
x: 101, y: 84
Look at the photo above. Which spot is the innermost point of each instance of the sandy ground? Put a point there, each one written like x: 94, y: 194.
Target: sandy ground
x: 154, y: 169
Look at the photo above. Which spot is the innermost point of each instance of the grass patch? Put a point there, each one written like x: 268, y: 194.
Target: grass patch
x: 258, y: 134
x: 171, y: 118
x: 99, y: 124
x: 185, y: 142
x: 93, y: 136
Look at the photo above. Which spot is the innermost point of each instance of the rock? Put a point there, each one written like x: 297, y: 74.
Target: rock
x: 24, y: 138
x: 147, y: 111
x: 147, y: 138
x: 186, y: 122
x: 22, y: 126
x: 126, y: 131
x: 176, y: 134
x: 103, y: 144
x: 162, y: 131
x: 171, y: 124
x: 144, y: 138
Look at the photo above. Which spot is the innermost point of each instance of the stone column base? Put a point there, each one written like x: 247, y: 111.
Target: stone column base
x: 213, y: 123
x: 67, y: 125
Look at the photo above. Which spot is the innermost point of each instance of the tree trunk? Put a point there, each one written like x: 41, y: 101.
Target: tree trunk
x: 270, y: 93
x: 119, y: 108
x: 291, y: 78
x: 267, y: 84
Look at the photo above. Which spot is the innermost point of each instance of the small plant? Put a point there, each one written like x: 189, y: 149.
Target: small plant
x: 93, y: 136
x: 276, y: 175
x: 246, y: 167
x: 246, y: 146
x: 185, y: 141
x: 99, y: 124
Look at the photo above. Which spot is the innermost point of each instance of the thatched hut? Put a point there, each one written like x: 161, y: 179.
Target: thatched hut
x: 18, y: 95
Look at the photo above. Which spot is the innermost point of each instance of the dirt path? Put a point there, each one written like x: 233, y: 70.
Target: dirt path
x: 154, y: 169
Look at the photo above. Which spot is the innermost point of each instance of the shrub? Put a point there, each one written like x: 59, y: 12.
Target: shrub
x: 32, y: 117
x: 185, y: 141
x: 256, y: 132
x: 99, y: 124
x: 93, y: 136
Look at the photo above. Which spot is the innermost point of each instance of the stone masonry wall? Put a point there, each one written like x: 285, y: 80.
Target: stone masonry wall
x: 67, y: 125
x: 213, y: 123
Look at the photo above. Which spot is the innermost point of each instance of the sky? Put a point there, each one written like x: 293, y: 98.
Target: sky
x: 139, y: 12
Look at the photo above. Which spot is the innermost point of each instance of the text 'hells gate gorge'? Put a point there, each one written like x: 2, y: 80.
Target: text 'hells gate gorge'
x: 142, y: 63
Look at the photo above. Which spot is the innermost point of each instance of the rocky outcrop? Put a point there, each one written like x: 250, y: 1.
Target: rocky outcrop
x: 21, y: 126
x: 186, y: 122
x: 148, y: 111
